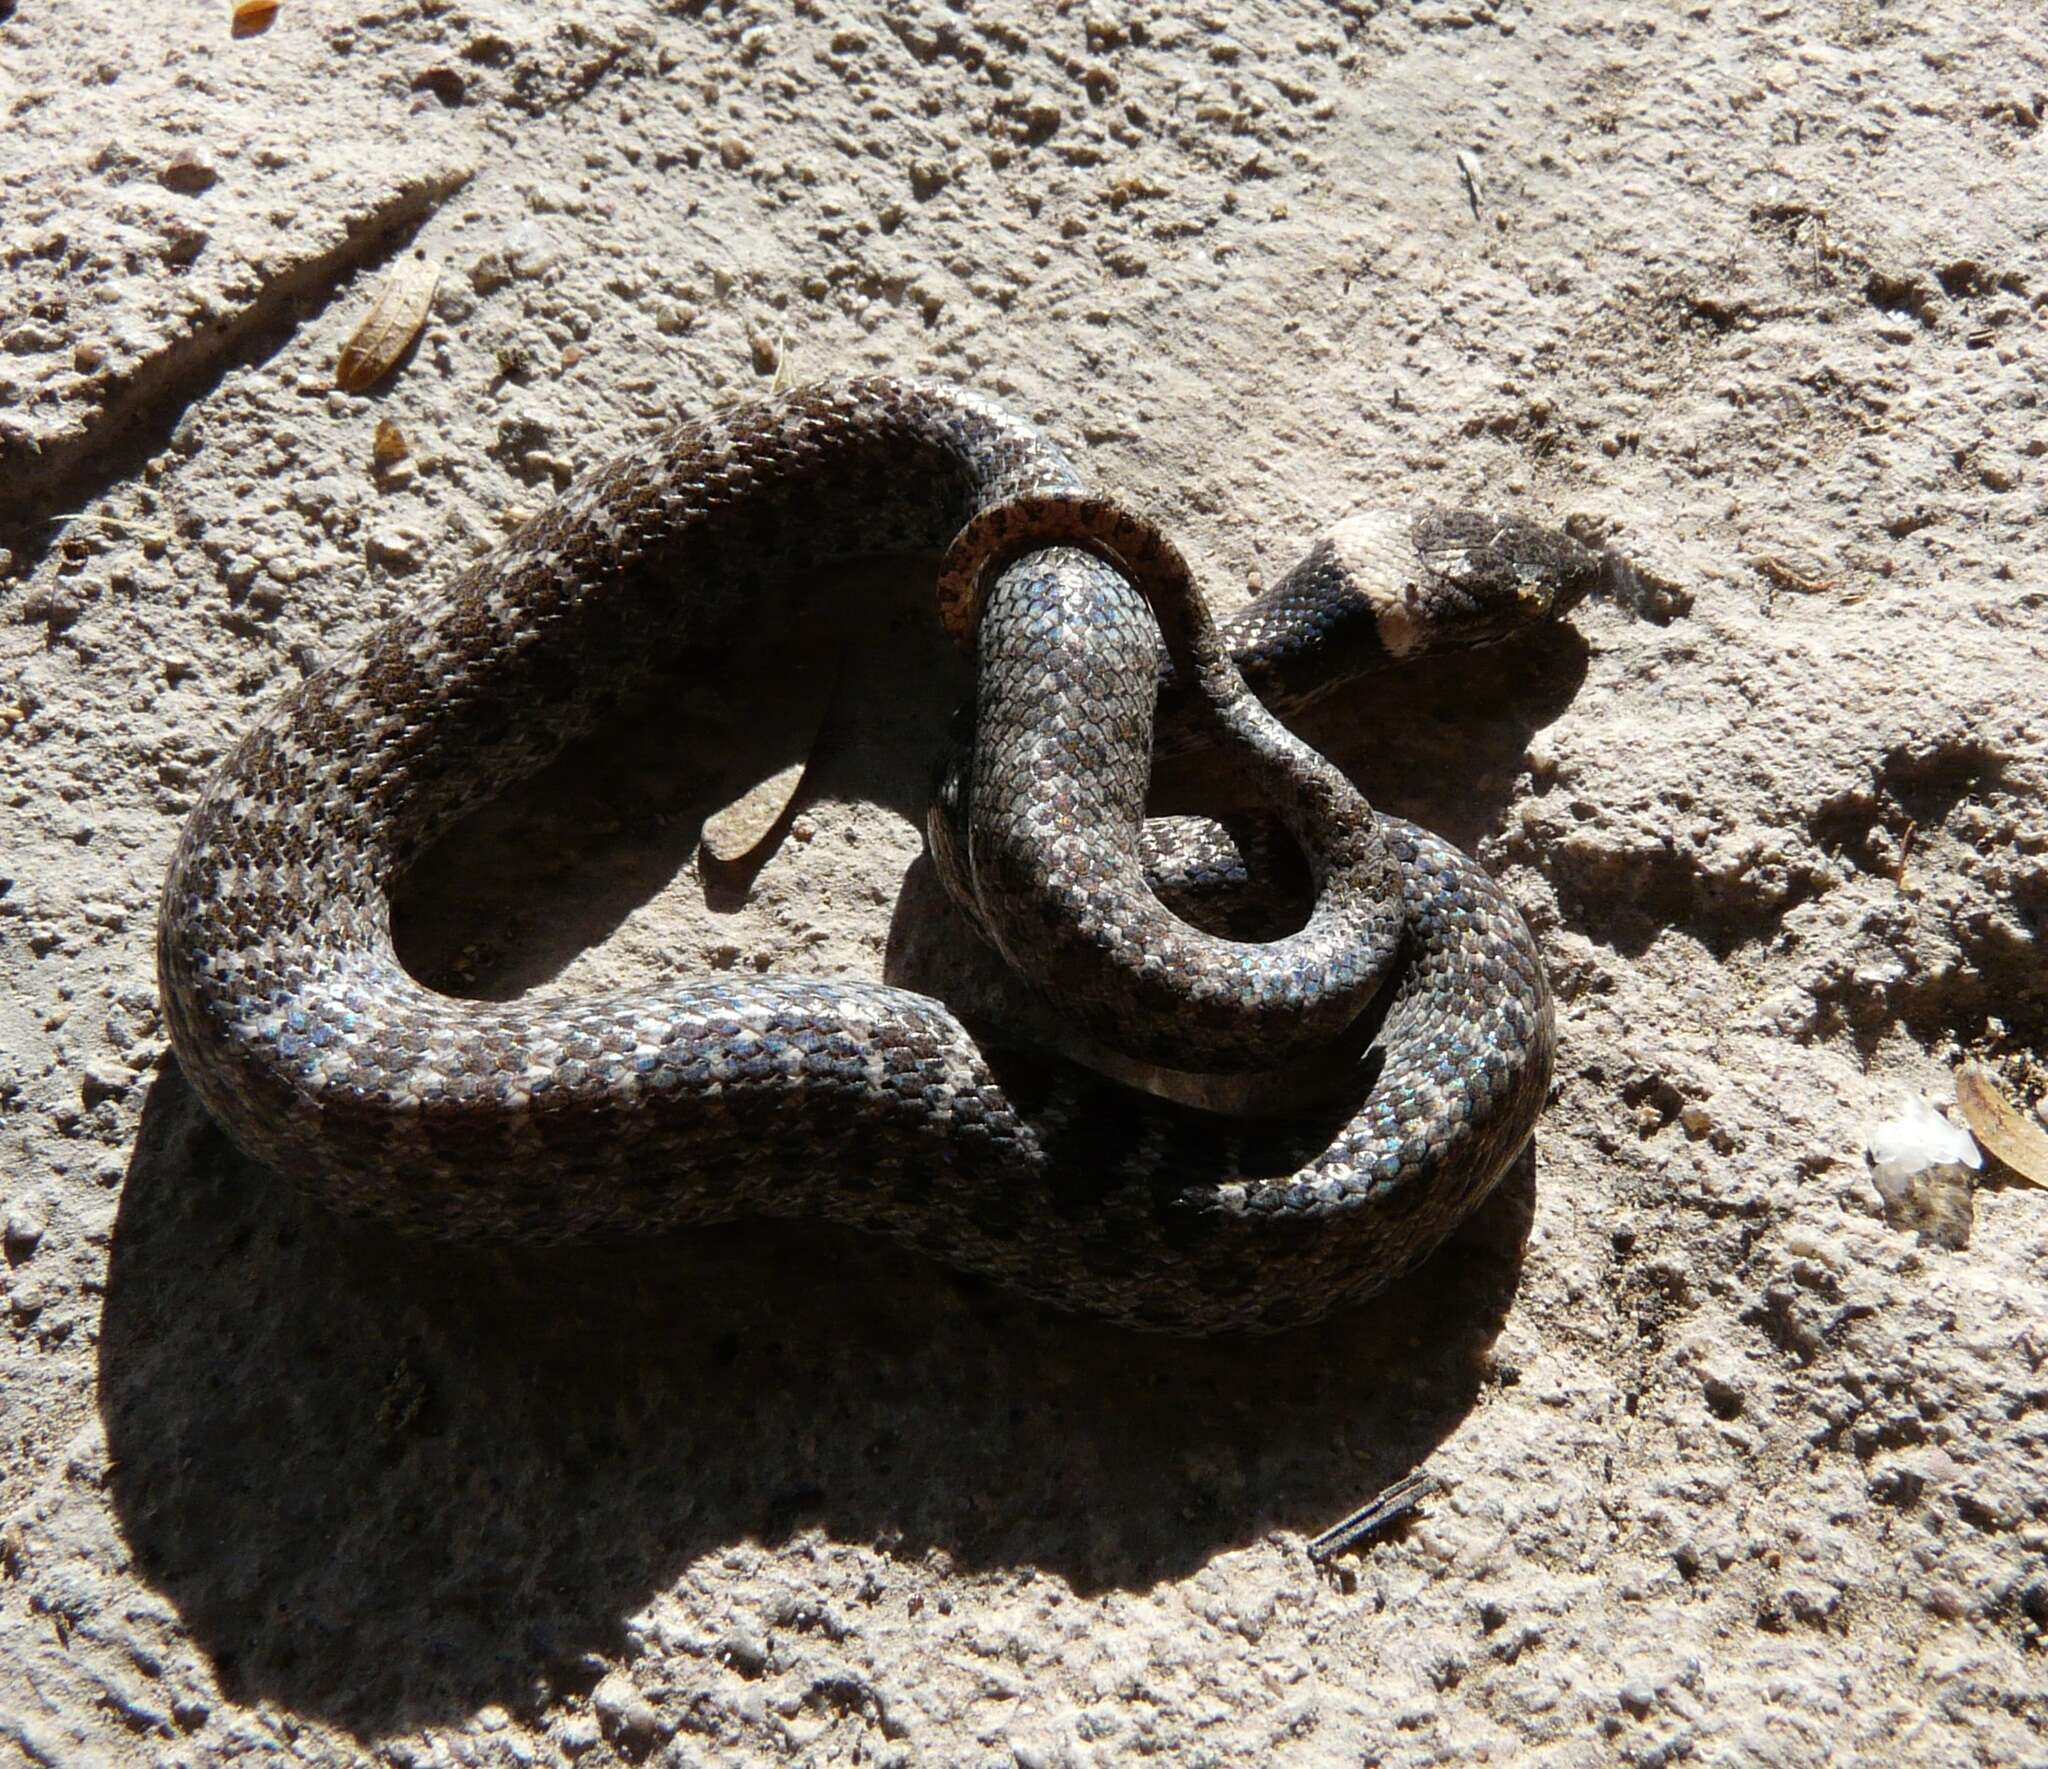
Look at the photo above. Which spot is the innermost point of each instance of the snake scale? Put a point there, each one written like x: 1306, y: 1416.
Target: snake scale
x: 702, y: 1099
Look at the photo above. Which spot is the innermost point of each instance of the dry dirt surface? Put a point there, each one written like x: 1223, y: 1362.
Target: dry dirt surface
x: 1728, y: 1468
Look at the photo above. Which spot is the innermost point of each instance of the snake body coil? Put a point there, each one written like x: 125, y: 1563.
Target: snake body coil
x: 554, y: 1116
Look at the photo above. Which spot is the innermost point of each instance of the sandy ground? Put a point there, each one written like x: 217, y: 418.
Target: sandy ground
x: 1733, y: 1470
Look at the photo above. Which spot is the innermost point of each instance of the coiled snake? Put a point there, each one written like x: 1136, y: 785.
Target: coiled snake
x: 699, y: 1100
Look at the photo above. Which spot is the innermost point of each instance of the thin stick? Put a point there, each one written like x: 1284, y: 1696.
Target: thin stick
x: 1385, y: 1508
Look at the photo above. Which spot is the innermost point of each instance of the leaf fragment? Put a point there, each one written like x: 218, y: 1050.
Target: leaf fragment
x: 2000, y: 1125
x: 388, y: 329
x: 730, y: 835
x: 740, y: 832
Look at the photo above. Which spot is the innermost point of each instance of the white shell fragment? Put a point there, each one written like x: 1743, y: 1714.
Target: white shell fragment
x: 1917, y: 1139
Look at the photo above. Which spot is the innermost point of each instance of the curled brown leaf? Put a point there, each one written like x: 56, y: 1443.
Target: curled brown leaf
x: 388, y: 329
x: 2000, y: 1125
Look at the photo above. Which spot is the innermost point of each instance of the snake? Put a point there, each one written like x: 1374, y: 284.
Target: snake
x: 1412, y: 995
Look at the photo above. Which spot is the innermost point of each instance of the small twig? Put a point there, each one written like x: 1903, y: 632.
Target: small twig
x: 139, y: 529
x: 1787, y: 578
x: 1468, y: 171
x: 1384, y: 1509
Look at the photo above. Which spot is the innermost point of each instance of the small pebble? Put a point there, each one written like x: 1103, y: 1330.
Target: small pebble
x: 396, y: 549
x: 188, y: 174
x: 23, y: 1233
x: 578, y: 1735
x: 628, y: 1718
x: 445, y: 83
x: 745, y: 1651
x: 490, y: 272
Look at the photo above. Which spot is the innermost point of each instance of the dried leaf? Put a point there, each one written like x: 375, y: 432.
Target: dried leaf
x: 736, y: 833
x: 388, y: 329
x: 390, y: 446
x: 252, y: 17
x: 732, y: 834
x: 2000, y: 1125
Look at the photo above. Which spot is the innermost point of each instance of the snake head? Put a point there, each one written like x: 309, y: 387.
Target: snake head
x: 1476, y: 578
x: 1486, y: 577
x: 1384, y: 586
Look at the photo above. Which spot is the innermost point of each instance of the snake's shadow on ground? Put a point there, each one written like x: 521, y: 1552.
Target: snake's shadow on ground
x: 388, y: 1483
